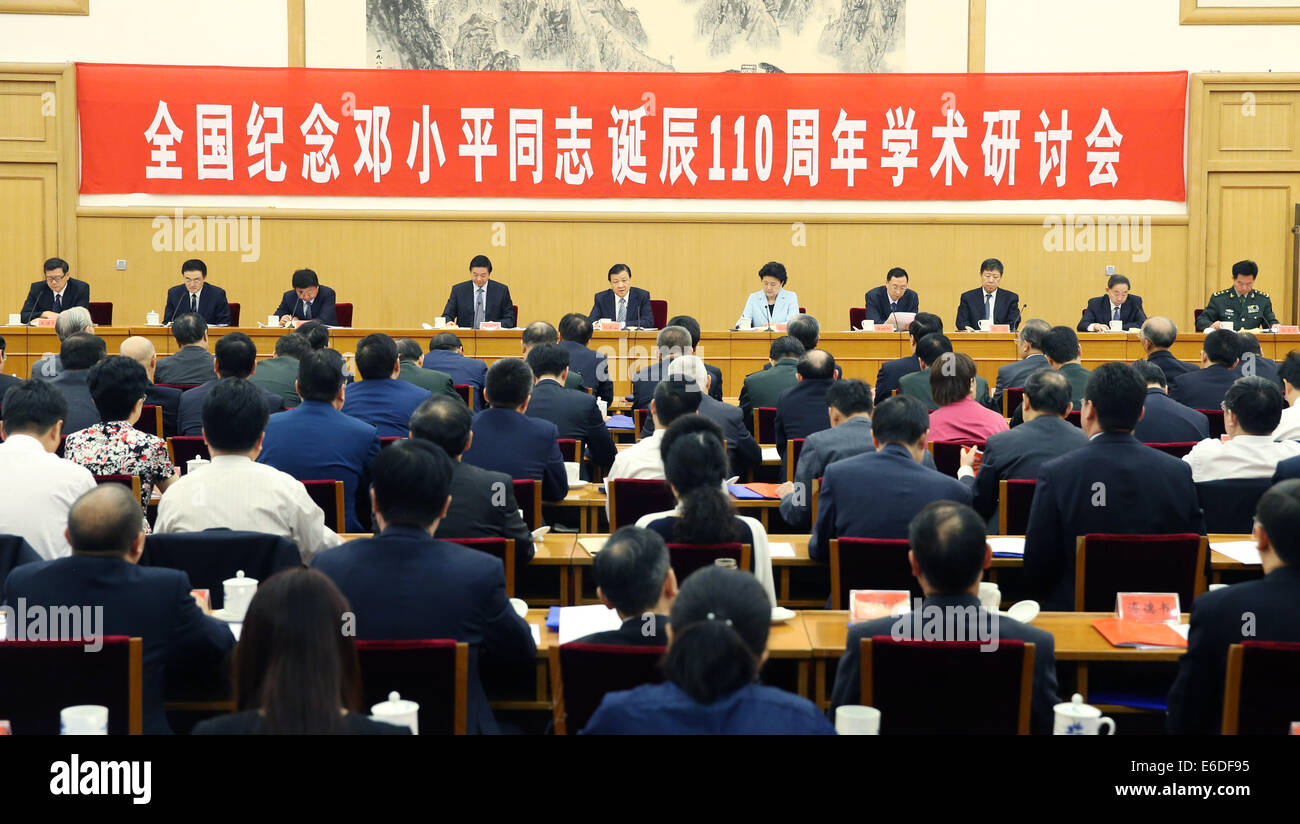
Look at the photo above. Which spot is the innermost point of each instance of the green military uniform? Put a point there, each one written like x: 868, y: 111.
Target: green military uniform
x: 574, y: 381
x: 1254, y: 311
x: 917, y: 385
x: 764, y: 388
x: 438, y: 383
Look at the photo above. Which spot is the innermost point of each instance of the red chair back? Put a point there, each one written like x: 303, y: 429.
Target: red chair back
x: 515, y: 307
x: 234, y: 313
x: 389, y: 441
x: 659, y: 308
x: 131, y: 482
x: 466, y: 393
x: 581, y: 675
x: 63, y: 444
x: 570, y: 449
x: 1215, y: 417
x: 857, y: 314
x: 793, y: 448
x: 638, y: 421
x: 1108, y: 564
x: 211, y: 556
x: 1260, y: 695
x: 528, y: 494
x: 869, y: 563
x: 1178, y: 449
x: 328, y: 495
x: 187, y: 447
x: 101, y: 313
x: 1011, y: 399
x: 765, y: 424
x: 502, y: 549
x: 1229, y: 505
x: 150, y: 420
x: 433, y: 673
x: 631, y: 498
x: 1075, y: 418
x: 181, y: 386
x: 1015, y: 497
x: 909, y: 680
x: 947, y: 455
x: 687, y: 558
x: 343, y: 312
x: 46, y: 676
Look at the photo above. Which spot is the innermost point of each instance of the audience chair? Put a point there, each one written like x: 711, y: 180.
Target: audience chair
x: 1015, y: 497
x: 765, y: 424
x: 869, y: 563
x: 1229, y: 505
x: 101, y: 312
x: 1012, y: 396
x: 631, y: 498
x: 581, y: 675
x: 1108, y: 564
x: 14, y: 552
x: 1260, y: 695
x: 1215, y: 417
x: 947, y: 455
x: 150, y: 421
x: 343, y: 313
x: 131, y: 482
x: 433, y: 673
x: 528, y: 494
x: 793, y: 448
x: 687, y: 558
x: 234, y: 313
x: 211, y: 556
x: 466, y: 393
x: 501, y: 548
x: 857, y: 314
x: 58, y: 674
x: 185, y: 448
x: 328, y: 495
x: 1177, y: 449
x: 570, y: 449
x: 659, y: 308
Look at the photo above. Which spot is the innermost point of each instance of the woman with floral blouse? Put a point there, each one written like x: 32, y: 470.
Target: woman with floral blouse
x: 114, y: 446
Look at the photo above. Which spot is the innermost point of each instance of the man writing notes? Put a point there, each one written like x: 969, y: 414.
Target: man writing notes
x: 998, y: 306
x: 195, y: 295
x: 1116, y: 305
x: 893, y: 297
x: 307, y: 300
x: 480, y: 299
x: 1241, y: 305
x: 622, y: 301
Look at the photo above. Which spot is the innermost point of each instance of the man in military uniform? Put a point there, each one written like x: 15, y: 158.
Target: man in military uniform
x: 1240, y: 304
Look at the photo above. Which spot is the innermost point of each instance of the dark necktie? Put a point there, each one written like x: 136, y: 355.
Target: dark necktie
x: 988, y: 306
x: 306, y: 309
x: 479, y: 310
x: 194, y: 302
x: 58, y: 304
x: 1114, y: 314
x: 893, y: 307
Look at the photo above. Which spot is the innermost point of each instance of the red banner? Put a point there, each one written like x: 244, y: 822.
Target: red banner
x: 225, y: 131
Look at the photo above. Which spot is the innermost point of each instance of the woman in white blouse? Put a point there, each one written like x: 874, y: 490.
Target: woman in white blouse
x: 773, y: 303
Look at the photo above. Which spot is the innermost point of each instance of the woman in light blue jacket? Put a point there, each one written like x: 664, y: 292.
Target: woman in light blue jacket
x: 773, y: 303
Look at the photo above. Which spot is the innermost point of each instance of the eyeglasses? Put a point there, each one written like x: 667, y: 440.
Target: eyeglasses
x: 55, y: 278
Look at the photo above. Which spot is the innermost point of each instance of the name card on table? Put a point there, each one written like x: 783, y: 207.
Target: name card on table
x: 1000, y: 327
x: 867, y: 604
x: 44, y: 322
x: 1288, y: 330
x: 490, y: 326
x: 609, y: 326
x: 1152, y: 607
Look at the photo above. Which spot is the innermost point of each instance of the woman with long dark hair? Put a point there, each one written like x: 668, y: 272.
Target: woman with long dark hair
x: 695, y: 465
x: 296, y: 672
x: 717, y: 642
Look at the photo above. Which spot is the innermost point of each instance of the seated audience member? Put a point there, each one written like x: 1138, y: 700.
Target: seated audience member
x: 507, y: 440
x: 959, y: 417
x: 236, y: 492
x: 37, y: 488
x: 79, y: 352
x: 692, y: 326
x: 70, y: 322
x: 743, y: 452
x: 1112, y: 484
x: 1204, y: 389
x: 1288, y: 428
x: 380, y: 398
x: 192, y: 363
x: 1196, y: 699
x: 447, y: 355
x: 1157, y: 336
x: 894, y: 296
x: 167, y: 398
x: 805, y: 329
x: 949, y: 553
x: 848, y: 405
x: 671, y: 343
x: 115, y: 446
x: 307, y: 300
x: 236, y: 357
x: 574, y: 412
x: 291, y: 629
x: 765, y: 387
x: 929, y: 351
x: 674, y: 397
x: 316, y: 333
x: 876, y: 494
x: 1251, y: 411
x: 622, y: 301
x: 1253, y: 363
x: 1017, y: 454
x: 480, y: 299
x: 1165, y: 420
x: 801, y: 409
x: 694, y: 464
x: 6, y: 381
x: 575, y: 334
x: 633, y: 578
x: 409, y: 355
x: 540, y: 332
x: 194, y: 294
x: 925, y: 323
x: 1061, y: 347
x: 483, y: 503
x: 404, y: 583
x: 1286, y: 470
x: 339, y: 447
x: 1029, y: 348
x: 55, y: 294
x: 717, y: 645
x: 279, y: 375
x: 1116, y: 305
x: 151, y: 603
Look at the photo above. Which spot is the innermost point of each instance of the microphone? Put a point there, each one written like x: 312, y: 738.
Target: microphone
x: 295, y: 306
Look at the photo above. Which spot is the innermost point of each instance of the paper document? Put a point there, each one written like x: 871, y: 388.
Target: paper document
x: 770, y: 454
x: 537, y: 634
x: 1245, y: 552
x: 577, y: 622
x: 780, y: 550
x: 592, y: 545
x: 1007, y: 545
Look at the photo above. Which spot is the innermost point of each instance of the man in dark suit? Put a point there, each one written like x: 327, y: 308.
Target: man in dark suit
x: 198, y: 296
x: 672, y: 342
x: 692, y: 326
x: 79, y: 352
x: 807, y: 330
x: 279, y: 375
x: 69, y: 322
x: 1113, y: 484
x: 743, y: 452
x: 315, y: 441
x: 447, y: 355
x: 307, y: 300
x: 480, y: 299
x: 483, y: 503
x: 1165, y: 420
x: 894, y: 296
x: 876, y: 494
x: 575, y: 334
x: 633, y: 578
x: 1157, y: 335
x: 949, y: 553
x: 507, y: 440
x: 141, y: 350
x: 151, y: 603
x: 192, y: 363
x: 1205, y: 389
x: 764, y: 388
x: 380, y: 398
x: 1063, y: 353
x: 47, y: 298
x: 540, y: 332
x: 848, y: 405
x: 404, y: 583
x: 6, y: 381
x: 236, y: 358
x: 917, y: 385
x: 891, y: 372
x: 1017, y: 454
x: 1029, y: 347
x: 801, y: 409
x: 1116, y: 305
x: 1286, y: 470
x: 989, y: 302
x: 574, y: 412
x: 1253, y: 364
x: 409, y: 355
x: 622, y: 301
x: 1218, y: 618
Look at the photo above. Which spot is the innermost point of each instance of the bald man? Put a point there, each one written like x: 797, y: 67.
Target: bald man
x: 539, y: 331
x: 141, y: 350
x: 1157, y: 335
x: 802, y: 409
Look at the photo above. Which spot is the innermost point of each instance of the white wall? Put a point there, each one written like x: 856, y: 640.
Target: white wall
x: 174, y: 32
